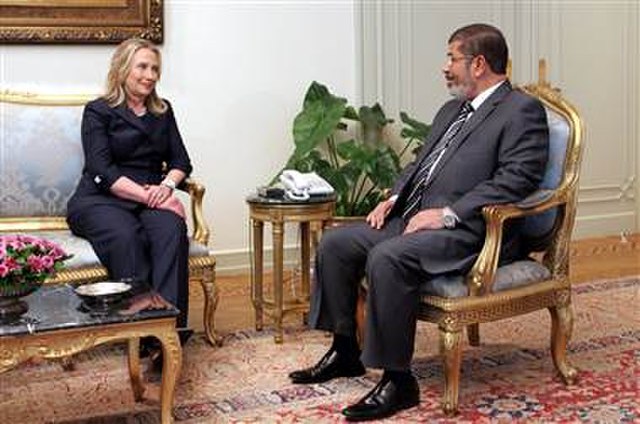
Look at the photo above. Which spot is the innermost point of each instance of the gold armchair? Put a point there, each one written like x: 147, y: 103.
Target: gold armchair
x: 488, y: 292
x: 41, y: 160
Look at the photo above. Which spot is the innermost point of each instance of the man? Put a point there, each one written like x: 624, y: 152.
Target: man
x: 488, y: 145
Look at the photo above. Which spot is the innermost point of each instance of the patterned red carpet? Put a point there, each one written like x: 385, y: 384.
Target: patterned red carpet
x: 510, y: 377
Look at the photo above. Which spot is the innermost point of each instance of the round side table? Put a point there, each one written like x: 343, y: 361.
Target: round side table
x: 277, y: 212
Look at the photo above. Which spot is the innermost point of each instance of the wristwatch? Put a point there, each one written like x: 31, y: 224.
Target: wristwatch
x: 168, y: 182
x: 449, y: 219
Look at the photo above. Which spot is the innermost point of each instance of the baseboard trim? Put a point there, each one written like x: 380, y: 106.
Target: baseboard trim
x: 234, y: 262
x: 609, y: 244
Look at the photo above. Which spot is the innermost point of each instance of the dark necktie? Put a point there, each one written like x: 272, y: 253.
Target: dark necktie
x: 420, y: 178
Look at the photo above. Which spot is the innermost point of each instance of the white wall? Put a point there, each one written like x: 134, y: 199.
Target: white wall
x: 236, y: 72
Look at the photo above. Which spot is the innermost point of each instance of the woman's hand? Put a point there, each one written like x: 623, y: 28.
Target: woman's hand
x: 173, y: 204
x: 157, y: 194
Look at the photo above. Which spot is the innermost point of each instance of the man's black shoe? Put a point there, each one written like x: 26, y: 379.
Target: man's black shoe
x: 332, y: 365
x: 387, y: 398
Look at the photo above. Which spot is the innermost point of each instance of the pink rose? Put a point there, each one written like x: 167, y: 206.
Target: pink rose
x: 36, y: 263
x: 11, y: 263
x: 47, y: 262
x: 4, y: 270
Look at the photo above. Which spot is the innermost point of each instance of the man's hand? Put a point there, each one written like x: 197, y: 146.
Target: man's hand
x: 428, y: 219
x: 377, y: 216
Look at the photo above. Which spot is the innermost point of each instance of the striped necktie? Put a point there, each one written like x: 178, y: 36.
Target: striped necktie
x: 426, y: 166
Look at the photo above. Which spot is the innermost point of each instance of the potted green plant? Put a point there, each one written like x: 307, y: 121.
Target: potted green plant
x: 359, y: 164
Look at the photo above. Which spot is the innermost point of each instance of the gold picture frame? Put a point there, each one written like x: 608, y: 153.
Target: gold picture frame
x: 80, y: 21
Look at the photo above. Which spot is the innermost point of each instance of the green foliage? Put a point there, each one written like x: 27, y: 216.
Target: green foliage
x: 359, y: 169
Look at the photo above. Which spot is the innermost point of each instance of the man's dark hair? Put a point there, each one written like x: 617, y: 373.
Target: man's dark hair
x: 485, y: 40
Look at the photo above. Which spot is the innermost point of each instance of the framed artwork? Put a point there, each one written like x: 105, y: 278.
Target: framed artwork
x: 80, y: 21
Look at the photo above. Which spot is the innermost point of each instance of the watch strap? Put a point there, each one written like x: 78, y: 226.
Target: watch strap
x: 168, y: 182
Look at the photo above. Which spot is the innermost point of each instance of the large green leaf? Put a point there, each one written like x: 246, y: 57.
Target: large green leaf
x: 350, y: 113
x: 384, y: 168
x: 316, y: 92
x: 319, y: 118
x: 414, y: 127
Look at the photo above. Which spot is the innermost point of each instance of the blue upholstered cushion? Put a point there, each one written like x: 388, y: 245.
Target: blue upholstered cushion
x: 516, y: 274
x: 41, y: 158
x: 83, y: 254
x: 559, y: 132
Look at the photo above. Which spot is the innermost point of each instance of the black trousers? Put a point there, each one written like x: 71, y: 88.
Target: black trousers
x: 149, y: 245
x: 395, y: 265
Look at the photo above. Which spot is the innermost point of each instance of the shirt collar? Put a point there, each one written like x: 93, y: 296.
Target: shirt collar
x: 480, y: 98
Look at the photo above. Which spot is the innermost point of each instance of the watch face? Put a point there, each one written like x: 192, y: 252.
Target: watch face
x: 449, y: 221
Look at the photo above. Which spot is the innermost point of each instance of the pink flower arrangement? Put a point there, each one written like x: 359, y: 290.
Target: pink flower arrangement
x: 28, y: 259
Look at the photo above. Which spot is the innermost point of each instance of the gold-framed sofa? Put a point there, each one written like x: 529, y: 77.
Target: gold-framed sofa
x: 490, y: 292
x: 41, y: 161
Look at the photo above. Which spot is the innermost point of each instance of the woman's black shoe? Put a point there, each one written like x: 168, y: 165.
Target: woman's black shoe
x: 184, y: 334
x: 156, y: 361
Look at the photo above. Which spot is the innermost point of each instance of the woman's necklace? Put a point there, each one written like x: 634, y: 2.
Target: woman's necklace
x: 141, y: 111
x: 138, y: 109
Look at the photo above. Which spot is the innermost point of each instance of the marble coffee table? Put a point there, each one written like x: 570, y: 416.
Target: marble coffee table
x: 57, y: 326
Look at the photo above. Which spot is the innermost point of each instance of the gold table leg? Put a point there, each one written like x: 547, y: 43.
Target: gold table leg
x: 134, y: 368
x: 256, y: 276
x: 171, y: 364
x: 305, y: 263
x: 278, y: 277
x: 305, y: 258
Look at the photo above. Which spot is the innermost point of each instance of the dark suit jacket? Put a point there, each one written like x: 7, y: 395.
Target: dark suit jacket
x: 117, y: 143
x: 499, y: 156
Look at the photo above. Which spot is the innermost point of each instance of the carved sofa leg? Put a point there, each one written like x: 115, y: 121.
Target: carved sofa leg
x: 211, y: 298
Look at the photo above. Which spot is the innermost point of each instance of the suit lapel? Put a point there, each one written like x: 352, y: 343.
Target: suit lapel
x: 486, y: 108
x: 436, y: 133
x: 432, y: 139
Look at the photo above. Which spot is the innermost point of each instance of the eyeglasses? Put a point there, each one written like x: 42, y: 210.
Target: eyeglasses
x: 453, y: 59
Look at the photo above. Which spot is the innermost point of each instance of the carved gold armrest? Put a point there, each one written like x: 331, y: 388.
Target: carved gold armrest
x: 480, y: 279
x: 196, y: 192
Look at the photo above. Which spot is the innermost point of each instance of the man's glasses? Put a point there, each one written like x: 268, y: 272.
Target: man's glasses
x: 453, y: 59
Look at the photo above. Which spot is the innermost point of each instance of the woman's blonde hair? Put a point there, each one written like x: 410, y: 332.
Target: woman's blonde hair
x: 121, y: 63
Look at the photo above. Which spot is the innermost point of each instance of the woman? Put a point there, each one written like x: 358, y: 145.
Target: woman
x: 124, y: 204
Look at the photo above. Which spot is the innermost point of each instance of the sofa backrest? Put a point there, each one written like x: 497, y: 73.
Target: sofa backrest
x: 41, y: 156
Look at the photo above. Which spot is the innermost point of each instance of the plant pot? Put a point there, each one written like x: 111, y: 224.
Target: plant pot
x: 11, y: 305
